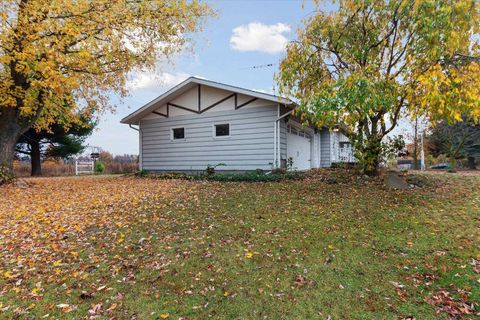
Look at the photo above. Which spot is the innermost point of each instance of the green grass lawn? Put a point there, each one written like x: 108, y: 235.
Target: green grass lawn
x: 332, y: 246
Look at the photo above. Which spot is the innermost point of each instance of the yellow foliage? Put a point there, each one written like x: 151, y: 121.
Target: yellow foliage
x: 448, y: 94
x: 62, y: 56
x: 366, y: 63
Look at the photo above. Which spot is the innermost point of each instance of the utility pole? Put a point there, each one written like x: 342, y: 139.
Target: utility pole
x: 415, y: 144
x: 422, y: 155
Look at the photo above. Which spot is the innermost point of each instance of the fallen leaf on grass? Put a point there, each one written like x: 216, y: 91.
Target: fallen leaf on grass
x: 476, y: 265
x: 300, y: 281
x: 112, y: 307
x: 453, y: 307
x: 95, y: 309
x: 66, y: 307
x: 397, y: 284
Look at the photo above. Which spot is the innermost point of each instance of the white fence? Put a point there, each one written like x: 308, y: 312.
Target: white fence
x: 84, y: 167
x: 345, y: 154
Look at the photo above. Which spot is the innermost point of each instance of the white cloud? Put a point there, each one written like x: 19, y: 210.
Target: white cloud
x: 149, y: 80
x: 260, y: 37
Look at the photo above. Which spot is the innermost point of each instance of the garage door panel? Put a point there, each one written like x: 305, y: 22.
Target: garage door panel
x: 298, y: 149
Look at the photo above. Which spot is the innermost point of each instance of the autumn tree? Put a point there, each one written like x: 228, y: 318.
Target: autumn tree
x: 457, y: 141
x: 366, y: 64
x: 61, y: 56
x: 58, y: 141
x: 106, y: 157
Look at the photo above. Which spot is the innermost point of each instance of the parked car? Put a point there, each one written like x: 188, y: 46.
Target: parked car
x: 440, y: 166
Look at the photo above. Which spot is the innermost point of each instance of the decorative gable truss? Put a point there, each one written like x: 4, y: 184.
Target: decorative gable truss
x: 199, y: 109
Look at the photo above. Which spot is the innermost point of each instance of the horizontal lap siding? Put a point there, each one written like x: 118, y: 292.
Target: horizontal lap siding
x: 249, y: 147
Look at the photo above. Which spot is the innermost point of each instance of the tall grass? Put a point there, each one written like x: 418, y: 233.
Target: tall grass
x: 52, y: 168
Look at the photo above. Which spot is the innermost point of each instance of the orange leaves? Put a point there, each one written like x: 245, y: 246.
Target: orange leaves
x: 66, y: 307
x: 57, y: 230
x: 62, y: 56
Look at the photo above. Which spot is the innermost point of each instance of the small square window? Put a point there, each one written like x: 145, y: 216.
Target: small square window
x: 344, y: 145
x: 178, y: 133
x: 222, y: 130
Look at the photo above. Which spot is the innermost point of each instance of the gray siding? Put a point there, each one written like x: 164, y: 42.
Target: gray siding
x: 283, y: 140
x: 249, y: 147
x: 283, y: 134
x: 325, y: 156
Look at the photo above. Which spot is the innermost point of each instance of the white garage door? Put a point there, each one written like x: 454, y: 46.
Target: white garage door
x: 298, y: 148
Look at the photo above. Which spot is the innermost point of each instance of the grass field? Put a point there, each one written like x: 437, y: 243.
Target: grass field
x: 332, y: 246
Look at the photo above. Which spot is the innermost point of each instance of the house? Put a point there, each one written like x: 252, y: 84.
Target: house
x: 200, y: 122
x: 407, y: 164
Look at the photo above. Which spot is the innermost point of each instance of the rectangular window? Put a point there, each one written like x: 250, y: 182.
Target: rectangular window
x: 344, y: 145
x: 222, y: 130
x: 178, y: 133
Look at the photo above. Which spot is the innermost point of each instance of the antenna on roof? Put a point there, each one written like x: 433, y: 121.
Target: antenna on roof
x: 261, y: 66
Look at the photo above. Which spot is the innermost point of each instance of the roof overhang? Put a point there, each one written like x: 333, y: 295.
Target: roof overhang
x: 190, y: 83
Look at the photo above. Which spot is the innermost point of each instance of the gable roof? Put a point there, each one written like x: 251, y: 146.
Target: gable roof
x: 190, y: 83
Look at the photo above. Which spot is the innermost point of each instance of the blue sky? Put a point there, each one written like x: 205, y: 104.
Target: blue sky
x: 243, y: 35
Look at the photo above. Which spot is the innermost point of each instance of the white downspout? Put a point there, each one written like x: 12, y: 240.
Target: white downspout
x: 422, y: 156
x: 279, y: 158
x: 276, y: 141
x: 274, y: 165
x: 139, y: 145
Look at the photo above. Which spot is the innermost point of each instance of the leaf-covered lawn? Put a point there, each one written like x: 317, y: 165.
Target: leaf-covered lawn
x: 328, y: 246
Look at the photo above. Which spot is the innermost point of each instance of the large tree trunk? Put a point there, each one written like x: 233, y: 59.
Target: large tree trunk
x: 7, y: 153
x: 370, y: 156
x: 10, y: 131
x: 471, y: 163
x: 35, y: 158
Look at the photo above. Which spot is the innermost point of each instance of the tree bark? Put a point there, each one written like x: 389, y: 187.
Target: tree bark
x: 7, y: 153
x: 35, y: 158
x: 370, y: 155
x: 471, y: 163
x: 10, y: 131
x: 372, y: 169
